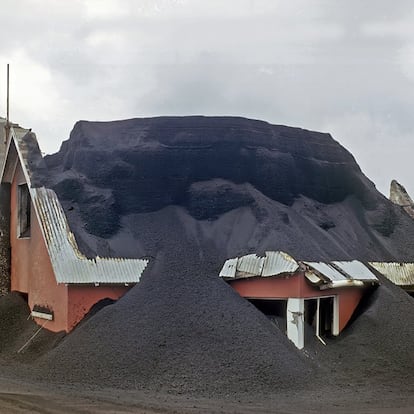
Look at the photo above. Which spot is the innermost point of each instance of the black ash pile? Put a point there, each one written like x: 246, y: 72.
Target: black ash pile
x: 21, y: 340
x: 191, y: 192
x: 246, y: 185
x: 179, y: 330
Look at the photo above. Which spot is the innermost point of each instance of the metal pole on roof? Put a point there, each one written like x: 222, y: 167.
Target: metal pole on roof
x: 8, y: 105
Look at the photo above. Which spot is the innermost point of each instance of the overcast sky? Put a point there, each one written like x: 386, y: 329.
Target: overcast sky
x: 344, y: 67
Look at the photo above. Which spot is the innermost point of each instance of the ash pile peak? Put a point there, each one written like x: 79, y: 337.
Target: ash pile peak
x: 241, y: 185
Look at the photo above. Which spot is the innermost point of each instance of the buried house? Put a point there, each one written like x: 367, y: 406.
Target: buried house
x: 39, y: 256
x: 296, y: 294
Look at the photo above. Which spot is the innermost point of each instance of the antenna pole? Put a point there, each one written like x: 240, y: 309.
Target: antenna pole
x: 8, y: 105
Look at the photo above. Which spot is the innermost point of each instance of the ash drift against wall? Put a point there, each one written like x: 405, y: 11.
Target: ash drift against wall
x: 292, y: 290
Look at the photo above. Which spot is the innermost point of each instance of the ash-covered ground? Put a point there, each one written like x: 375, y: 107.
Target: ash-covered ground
x: 189, y: 193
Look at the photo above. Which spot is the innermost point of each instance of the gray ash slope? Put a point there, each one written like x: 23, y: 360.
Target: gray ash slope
x: 191, y: 192
x: 247, y: 184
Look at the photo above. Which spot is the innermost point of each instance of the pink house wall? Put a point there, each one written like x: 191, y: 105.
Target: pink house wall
x: 296, y: 286
x: 82, y: 298
x: 32, y: 273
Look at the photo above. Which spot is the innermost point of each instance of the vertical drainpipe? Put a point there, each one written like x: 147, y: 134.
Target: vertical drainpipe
x: 5, y: 252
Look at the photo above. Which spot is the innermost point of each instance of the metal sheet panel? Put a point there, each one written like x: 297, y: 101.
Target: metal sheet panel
x: 229, y: 268
x: 250, y: 265
x: 69, y: 264
x: 356, y: 270
x: 401, y: 274
x: 276, y: 263
x: 327, y: 270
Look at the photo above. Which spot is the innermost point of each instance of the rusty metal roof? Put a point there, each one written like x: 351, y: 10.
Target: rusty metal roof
x: 401, y: 274
x: 69, y: 264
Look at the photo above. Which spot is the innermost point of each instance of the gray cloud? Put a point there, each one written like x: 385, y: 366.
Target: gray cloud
x: 342, y: 67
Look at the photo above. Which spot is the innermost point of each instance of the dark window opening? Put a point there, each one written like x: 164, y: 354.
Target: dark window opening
x: 325, y: 315
x: 24, y: 211
x: 274, y: 309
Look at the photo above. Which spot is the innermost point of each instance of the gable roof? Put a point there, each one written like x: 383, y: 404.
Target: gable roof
x: 323, y: 274
x: 70, y: 265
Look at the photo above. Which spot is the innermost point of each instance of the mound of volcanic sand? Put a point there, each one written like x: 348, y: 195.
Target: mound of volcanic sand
x: 239, y: 184
x: 17, y: 329
x: 190, y: 193
x: 179, y: 330
x: 376, y: 348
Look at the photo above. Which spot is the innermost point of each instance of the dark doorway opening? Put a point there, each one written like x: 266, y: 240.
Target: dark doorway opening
x: 274, y: 309
x: 319, y: 314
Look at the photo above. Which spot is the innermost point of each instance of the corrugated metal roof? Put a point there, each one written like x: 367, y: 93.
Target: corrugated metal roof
x: 401, y: 274
x: 69, y: 264
x: 251, y: 265
x: 229, y: 268
x: 356, y: 270
x: 327, y: 270
x: 340, y: 274
x: 279, y: 262
x: 325, y: 275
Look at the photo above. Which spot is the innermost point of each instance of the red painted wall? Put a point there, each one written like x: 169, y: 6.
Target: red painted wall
x: 31, y: 269
x: 32, y: 273
x: 82, y: 298
x: 296, y: 286
x: 20, y: 248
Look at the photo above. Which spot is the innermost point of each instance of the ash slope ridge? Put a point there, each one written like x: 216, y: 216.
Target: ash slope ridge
x: 191, y: 192
x: 247, y: 184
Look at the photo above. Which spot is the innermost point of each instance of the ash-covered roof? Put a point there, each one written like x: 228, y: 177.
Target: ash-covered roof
x: 70, y: 265
x: 235, y: 185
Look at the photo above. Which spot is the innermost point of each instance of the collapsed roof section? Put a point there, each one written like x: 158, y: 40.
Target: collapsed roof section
x: 325, y: 275
x: 69, y: 264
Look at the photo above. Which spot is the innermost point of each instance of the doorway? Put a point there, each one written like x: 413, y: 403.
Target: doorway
x: 322, y: 315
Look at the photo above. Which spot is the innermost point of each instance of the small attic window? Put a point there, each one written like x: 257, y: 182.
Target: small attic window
x: 24, y: 211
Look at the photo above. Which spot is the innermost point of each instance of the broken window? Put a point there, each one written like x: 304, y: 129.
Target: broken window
x: 23, y: 211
